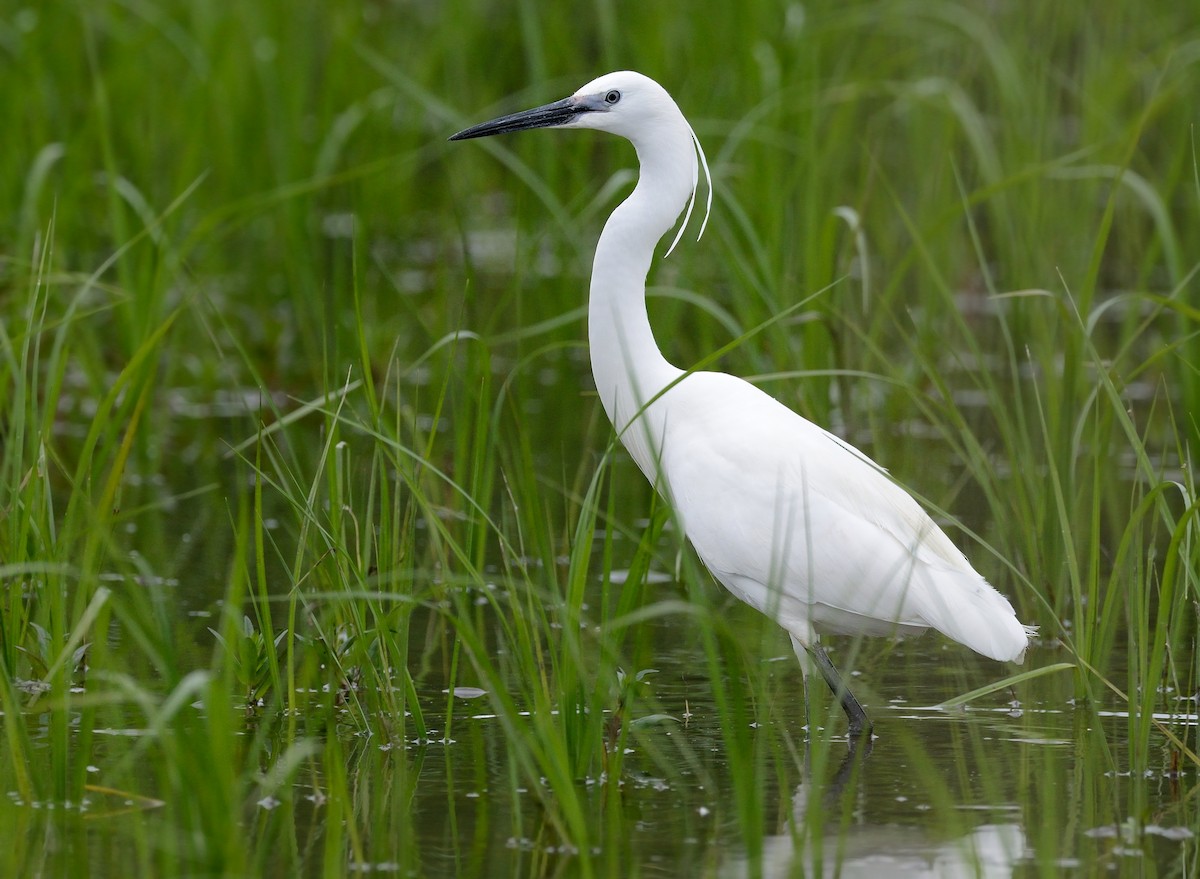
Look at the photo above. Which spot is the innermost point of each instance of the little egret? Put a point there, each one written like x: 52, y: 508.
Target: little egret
x: 788, y: 517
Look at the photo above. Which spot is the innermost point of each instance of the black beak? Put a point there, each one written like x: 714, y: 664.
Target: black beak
x: 559, y: 113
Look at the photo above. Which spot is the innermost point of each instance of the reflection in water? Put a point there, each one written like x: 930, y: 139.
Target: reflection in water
x: 990, y: 851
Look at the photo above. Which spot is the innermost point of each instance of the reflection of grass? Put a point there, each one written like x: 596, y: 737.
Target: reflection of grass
x: 240, y: 229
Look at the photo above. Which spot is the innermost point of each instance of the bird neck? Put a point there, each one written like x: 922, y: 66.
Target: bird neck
x: 627, y: 365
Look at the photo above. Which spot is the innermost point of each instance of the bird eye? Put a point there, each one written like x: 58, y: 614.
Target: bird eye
x: 612, y: 97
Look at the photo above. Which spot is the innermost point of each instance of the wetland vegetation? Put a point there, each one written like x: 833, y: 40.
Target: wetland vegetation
x: 316, y: 554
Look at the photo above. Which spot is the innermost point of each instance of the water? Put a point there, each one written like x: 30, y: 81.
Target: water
x: 1019, y: 783
x: 995, y: 791
x: 1024, y: 783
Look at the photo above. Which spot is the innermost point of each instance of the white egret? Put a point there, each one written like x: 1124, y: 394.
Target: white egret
x: 788, y: 517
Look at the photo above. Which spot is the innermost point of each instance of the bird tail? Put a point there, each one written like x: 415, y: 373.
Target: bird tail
x: 963, y: 606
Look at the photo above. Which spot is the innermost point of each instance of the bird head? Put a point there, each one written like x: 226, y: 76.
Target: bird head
x: 625, y: 103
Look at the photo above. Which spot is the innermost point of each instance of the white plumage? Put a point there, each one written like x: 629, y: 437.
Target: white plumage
x: 791, y: 519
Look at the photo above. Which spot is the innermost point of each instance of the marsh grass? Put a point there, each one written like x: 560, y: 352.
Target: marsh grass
x: 297, y: 446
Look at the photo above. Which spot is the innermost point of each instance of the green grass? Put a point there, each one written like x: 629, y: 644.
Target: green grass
x: 296, y: 436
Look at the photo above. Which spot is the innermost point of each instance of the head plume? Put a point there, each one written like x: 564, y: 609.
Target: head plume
x: 702, y: 162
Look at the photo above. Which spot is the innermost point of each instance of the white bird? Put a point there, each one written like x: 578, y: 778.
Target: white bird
x: 788, y: 517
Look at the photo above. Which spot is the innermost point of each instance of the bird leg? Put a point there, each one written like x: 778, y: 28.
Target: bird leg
x: 859, y: 722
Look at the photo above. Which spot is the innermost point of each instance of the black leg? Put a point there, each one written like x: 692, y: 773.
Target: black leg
x: 859, y: 722
x: 807, y: 714
x: 860, y: 750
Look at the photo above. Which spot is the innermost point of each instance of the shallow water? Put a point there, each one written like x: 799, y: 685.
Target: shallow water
x: 997, y: 791
x: 1024, y: 783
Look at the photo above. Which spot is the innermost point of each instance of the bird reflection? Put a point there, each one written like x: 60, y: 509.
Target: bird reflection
x: 872, y: 851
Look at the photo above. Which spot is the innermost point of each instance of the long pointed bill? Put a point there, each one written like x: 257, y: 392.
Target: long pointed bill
x: 559, y: 113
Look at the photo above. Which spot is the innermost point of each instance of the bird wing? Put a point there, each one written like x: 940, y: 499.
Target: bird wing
x: 804, y: 526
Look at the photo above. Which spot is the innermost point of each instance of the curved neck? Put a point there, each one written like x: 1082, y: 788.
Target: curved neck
x: 627, y: 365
